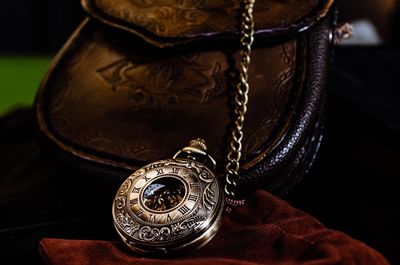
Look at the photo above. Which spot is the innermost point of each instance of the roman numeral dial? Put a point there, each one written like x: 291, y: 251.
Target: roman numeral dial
x: 167, y: 201
x: 166, y: 194
x: 175, y: 170
x: 193, y: 197
x: 184, y: 209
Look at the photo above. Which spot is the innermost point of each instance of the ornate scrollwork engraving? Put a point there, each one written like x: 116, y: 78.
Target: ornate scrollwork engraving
x: 126, y: 223
x: 125, y: 187
x: 120, y: 202
x: 195, y: 212
x: 154, y: 234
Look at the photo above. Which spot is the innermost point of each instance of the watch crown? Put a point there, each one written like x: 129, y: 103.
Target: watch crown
x: 199, y: 144
x: 196, y: 148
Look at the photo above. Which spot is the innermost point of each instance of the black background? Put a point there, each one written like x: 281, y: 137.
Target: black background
x: 32, y: 26
x: 37, y: 27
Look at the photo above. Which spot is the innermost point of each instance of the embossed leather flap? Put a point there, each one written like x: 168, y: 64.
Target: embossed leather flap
x: 171, y: 22
x: 110, y: 103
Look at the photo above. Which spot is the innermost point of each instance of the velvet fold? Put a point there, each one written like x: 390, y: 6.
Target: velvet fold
x: 266, y: 230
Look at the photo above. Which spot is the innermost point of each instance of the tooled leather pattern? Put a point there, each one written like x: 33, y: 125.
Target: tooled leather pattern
x: 186, y: 18
x: 65, y: 124
x: 161, y: 86
x: 318, y: 53
x: 130, y: 86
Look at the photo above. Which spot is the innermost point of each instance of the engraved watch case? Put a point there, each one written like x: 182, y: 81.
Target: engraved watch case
x: 169, y: 206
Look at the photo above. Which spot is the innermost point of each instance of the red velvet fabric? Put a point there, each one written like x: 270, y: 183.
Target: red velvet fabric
x: 266, y: 230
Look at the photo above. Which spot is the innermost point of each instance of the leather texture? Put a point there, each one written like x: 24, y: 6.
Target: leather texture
x: 304, y: 132
x: 115, y: 101
x: 169, y: 23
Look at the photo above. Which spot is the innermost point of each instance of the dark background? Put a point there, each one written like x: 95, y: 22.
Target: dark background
x: 41, y: 27
x: 355, y: 182
x: 37, y: 27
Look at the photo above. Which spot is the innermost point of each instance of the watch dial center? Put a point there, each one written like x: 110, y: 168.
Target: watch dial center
x: 164, y: 194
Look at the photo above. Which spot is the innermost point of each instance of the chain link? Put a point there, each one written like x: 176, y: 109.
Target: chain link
x: 240, y: 99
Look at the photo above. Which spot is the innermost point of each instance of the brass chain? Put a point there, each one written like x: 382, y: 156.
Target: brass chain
x: 240, y: 99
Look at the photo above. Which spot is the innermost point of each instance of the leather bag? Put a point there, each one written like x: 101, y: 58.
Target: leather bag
x: 139, y: 79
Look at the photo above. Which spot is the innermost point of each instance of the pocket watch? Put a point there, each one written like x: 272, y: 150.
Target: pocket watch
x: 174, y: 205
x: 170, y: 205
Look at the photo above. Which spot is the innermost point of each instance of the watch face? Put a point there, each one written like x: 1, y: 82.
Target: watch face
x: 168, y: 205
